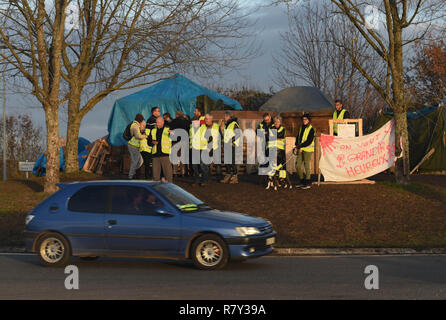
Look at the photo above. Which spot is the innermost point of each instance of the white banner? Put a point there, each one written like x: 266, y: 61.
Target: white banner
x: 350, y: 159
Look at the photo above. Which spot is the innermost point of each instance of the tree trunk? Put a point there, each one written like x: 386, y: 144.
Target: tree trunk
x: 73, y: 127
x: 402, y: 166
x: 72, y: 160
x: 52, y: 153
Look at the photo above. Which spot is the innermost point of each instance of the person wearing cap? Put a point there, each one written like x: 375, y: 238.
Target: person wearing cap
x: 304, y: 149
x: 134, y: 144
x: 339, y: 114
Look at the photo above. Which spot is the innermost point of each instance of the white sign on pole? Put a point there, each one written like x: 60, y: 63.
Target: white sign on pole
x: 25, y: 166
x: 346, y: 130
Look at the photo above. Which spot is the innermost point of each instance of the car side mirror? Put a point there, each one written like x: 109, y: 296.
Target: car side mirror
x: 163, y: 212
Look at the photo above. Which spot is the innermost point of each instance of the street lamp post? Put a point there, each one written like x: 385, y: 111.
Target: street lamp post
x: 4, y: 124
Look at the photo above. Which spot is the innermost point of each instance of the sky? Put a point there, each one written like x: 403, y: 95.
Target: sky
x: 257, y: 74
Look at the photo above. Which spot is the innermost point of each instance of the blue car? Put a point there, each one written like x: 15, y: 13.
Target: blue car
x: 141, y: 219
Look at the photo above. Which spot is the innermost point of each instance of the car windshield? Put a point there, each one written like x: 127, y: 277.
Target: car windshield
x: 180, y: 198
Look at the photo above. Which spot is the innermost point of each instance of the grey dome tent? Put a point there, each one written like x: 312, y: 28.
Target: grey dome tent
x: 297, y: 99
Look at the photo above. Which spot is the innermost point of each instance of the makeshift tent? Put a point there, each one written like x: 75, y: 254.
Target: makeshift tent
x: 170, y: 95
x: 426, y: 131
x: 298, y: 99
x: 39, y: 168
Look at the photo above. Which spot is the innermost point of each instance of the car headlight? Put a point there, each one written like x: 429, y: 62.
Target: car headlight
x: 247, y: 231
x: 29, y: 218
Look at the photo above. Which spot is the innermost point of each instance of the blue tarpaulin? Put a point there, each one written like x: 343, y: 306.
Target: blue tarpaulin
x: 170, y: 95
x: 40, y: 165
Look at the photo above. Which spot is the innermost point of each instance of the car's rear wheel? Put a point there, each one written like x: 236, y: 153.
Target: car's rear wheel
x: 53, y: 250
x: 209, y: 252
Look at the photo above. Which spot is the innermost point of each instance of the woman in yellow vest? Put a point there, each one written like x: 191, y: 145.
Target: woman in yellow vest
x: 304, y: 149
x: 134, y: 144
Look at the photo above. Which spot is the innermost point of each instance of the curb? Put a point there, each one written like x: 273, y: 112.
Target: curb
x: 316, y: 251
x: 354, y: 251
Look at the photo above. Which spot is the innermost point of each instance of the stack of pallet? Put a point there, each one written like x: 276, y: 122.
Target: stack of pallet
x: 98, y: 151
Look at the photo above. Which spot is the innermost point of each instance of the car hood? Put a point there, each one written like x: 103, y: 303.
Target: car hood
x: 232, y: 217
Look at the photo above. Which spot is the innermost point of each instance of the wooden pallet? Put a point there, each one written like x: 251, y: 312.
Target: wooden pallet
x: 97, y: 156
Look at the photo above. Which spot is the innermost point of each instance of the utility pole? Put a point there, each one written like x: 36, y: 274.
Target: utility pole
x: 4, y: 124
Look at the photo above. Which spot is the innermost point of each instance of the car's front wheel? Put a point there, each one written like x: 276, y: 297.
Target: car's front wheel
x: 53, y: 250
x: 209, y: 252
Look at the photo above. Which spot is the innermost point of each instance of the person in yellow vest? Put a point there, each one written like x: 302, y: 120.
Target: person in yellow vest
x: 146, y: 153
x: 203, y: 143
x: 134, y: 144
x: 304, y: 149
x: 231, y: 139
x: 159, y: 140
x: 276, y: 145
x: 339, y: 114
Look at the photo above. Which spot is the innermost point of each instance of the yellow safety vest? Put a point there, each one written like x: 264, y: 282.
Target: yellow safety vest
x: 339, y: 117
x: 166, y: 142
x: 135, y: 142
x: 307, y: 130
x: 198, y: 140
x: 229, y: 133
x: 144, y: 147
x: 274, y: 142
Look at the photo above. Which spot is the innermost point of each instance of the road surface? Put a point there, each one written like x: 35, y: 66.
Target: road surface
x: 272, y: 277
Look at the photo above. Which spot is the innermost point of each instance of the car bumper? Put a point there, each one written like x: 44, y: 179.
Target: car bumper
x: 250, y: 247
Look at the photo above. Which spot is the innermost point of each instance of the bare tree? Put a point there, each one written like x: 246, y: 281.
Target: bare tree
x: 123, y: 44
x: 396, y: 24
x: 77, y: 52
x: 311, y: 56
x: 32, y: 43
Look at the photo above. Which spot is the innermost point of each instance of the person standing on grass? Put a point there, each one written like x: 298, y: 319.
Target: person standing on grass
x: 159, y: 140
x: 134, y: 144
x: 180, y: 122
x: 231, y: 140
x: 304, y: 150
x: 146, y: 153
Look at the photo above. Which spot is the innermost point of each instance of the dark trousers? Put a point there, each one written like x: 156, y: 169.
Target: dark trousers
x: 232, y: 167
x: 147, y: 157
x: 203, y: 169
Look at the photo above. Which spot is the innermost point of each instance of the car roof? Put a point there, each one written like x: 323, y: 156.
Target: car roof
x: 108, y: 182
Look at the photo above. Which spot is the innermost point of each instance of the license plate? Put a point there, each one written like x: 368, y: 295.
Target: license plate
x: 270, y: 241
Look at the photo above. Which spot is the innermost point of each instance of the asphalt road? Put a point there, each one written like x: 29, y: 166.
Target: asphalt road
x: 272, y: 277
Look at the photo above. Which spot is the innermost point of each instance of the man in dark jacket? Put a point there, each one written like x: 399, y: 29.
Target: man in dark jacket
x: 151, y: 122
x: 180, y: 123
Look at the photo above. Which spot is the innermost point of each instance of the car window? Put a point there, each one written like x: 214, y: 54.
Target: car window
x: 90, y: 199
x: 180, y: 198
x: 134, y: 200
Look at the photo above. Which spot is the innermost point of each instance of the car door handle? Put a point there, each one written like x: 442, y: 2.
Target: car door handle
x: 112, y: 222
x: 54, y: 208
